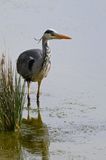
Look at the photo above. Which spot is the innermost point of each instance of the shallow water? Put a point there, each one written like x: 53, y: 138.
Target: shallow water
x: 72, y: 103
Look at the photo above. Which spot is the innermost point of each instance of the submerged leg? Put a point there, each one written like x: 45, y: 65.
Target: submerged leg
x: 38, y: 92
x: 28, y: 97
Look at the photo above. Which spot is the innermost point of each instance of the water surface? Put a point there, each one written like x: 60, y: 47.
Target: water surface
x: 72, y: 103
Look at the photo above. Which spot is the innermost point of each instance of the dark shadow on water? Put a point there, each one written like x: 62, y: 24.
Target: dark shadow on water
x: 32, y: 142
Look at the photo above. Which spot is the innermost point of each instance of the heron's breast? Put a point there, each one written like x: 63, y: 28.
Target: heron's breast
x: 43, y: 72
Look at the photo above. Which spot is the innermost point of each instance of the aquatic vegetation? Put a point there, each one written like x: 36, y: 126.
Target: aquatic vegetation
x: 12, y: 96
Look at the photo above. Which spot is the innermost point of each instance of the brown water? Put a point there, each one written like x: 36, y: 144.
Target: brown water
x: 71, y: 123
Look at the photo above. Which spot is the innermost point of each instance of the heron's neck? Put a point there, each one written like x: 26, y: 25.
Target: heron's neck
x: 45, y: 47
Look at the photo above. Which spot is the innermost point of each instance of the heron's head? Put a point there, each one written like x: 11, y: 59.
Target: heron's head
x: 51, y: 34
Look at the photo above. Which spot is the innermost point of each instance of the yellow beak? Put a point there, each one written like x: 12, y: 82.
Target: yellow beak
x: 61, y: 36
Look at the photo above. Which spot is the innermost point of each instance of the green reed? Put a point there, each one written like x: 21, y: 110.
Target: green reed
x: 12, y: 96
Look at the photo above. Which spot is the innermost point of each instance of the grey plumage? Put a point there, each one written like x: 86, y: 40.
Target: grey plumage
x: 34, y: 64
x: 28, y: 69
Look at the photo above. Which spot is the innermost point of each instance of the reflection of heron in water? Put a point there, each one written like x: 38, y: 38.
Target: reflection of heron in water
x: 35, y: 137
x: 33, y: 140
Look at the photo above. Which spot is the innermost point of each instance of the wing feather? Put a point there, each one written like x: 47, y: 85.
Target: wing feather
x: 29, y: 63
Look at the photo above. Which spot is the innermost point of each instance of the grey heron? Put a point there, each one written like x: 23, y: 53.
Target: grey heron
x: 34, y: 64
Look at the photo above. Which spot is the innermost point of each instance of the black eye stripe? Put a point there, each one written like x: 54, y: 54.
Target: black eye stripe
x: 49, y: 32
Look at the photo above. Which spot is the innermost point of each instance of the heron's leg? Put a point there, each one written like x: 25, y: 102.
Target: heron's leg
x: 38, y: 92
x: 38, y: 104
x: 28, y: 97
